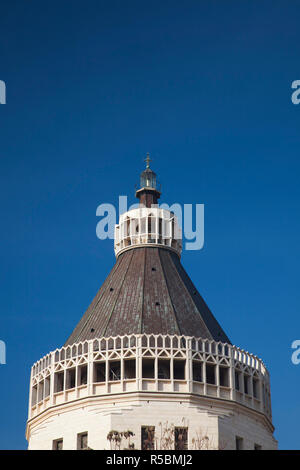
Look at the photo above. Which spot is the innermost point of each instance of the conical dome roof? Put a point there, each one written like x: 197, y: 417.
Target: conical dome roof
x: 148, y: 291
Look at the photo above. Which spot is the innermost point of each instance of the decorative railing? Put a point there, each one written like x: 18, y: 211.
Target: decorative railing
x: 148, y: 226
x: 149, y: 363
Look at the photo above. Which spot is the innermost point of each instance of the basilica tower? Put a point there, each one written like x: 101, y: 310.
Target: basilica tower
x: 148, y: 358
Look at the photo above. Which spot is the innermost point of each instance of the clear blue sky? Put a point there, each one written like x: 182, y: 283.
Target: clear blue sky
x: 205, y: 87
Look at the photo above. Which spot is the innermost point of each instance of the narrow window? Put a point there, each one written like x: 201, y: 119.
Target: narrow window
x: 163, y: 368
x: 40, y: 391
x: 224, y: 376
x: 239, y: 443
x: 237, y: 380
x: 181, y: 438
x: 70, y: 378
x: 34, y: 395
x: 148, y: 368
x: 82, y: 378
x: 47, y: 387
x: 114, y: 370
x: 246, y: 384
x: 99, y: 372
x: 151, y: 225
x: 148, y: 433
x: 210, y: 373
x: 82, y: 441
x: 257, y: 447
x: 179, y: 369
x: 160, y: 226
x: 129, y: 369
x: 197, y: 371
x: 59, y: 382
x: 143, y: 225
x: 57, y: 444
x: 255, y: 387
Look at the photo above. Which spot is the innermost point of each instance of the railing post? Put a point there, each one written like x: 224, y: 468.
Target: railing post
x: 106, y: 367
x: 77, y: 373
x: 122, y: 365
x: 156, y: 370
x: 217, y: 370
x: 204, y: 375
x: 90, y: 367
x: 232, y: 374
x: 261, y: 394
x: 52, y: 378
x: 65, y: 377
x: 139, y: 365
x: 189, y: 366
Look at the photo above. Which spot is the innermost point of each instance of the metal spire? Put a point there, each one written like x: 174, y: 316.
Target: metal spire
x: 148, y: 160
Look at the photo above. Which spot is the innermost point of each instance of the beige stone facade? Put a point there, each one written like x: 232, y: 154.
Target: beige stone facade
x: 217, y: 392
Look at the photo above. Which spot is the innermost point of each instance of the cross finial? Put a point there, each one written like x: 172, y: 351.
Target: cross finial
x: 148, y: 160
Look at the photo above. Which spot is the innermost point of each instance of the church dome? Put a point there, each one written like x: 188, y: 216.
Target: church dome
x: 147, y: 352
x: 148, y: 290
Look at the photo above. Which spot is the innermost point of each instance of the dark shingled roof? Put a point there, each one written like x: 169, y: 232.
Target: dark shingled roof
x: 147, y: 291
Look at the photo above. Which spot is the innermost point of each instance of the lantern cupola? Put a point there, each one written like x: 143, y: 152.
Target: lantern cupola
x: 148, y: 194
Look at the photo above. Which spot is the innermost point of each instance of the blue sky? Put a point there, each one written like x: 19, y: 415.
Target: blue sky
x: 205, y: 87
